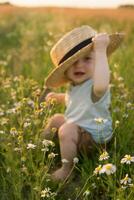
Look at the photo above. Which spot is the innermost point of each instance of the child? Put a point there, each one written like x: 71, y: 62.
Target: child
x: 80, y: 57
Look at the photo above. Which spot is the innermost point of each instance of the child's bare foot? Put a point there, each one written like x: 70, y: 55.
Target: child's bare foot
x: 60, y: 174
x: 46, y: 135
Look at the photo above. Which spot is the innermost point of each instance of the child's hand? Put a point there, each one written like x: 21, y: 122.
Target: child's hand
x: 51, y: 95
x: 60, y: 97
x: 101, y: 41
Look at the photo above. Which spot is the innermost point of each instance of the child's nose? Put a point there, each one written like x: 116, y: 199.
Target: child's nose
x: 79, y: 63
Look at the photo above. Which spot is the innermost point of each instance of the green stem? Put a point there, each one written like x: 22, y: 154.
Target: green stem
x: 84, y: 186
x: 61, y: 185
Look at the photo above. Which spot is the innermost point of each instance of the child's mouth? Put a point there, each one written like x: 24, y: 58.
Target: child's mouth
x: 79, y: 73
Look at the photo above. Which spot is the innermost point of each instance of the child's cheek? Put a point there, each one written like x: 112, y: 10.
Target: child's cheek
x: 68, y: 73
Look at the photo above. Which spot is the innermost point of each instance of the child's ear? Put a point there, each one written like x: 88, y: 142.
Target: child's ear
x: 65, y: 73
x: 65, y: 76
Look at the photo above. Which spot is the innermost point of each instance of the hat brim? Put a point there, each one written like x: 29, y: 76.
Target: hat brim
x: 57, y: 77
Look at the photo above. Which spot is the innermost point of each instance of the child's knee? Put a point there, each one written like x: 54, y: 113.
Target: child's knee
x: 57, y: 120
x: 68, y: 131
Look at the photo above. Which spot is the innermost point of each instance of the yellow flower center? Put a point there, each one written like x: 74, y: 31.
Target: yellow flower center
x: 108, y: 167
x: 99, y: 168
x: 128, y: 157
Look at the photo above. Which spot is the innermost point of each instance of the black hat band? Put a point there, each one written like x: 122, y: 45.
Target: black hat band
x: 75, y: 49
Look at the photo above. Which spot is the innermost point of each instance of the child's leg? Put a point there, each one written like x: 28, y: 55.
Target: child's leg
x: 54, y: 122
x: 68, y: 138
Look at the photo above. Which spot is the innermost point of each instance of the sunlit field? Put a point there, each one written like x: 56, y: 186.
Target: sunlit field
x: 27, y: 160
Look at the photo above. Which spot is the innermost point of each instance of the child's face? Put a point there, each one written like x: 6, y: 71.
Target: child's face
x: 81, y: 70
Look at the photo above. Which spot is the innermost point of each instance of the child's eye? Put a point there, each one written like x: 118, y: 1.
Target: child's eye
x: 87, y: 58
x: 75, y: 62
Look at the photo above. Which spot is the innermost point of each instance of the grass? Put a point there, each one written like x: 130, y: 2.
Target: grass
x: 25, y: 41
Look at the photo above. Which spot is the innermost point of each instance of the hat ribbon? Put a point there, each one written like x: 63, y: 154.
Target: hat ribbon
x: 75, y: 49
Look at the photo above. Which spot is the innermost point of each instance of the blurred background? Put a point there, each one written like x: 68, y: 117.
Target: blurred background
x: 29, y: 28
x: 69, y: 3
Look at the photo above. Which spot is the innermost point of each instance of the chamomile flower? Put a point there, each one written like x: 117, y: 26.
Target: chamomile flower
x: 27, y: 124
x: 17, y: 149
x: 47, y: 193
x: 52, y: 155
x: 31, y: 103
x: 47, y: 143
x: 100, y: 120
x: 31, y: 146
x: 120, y: 78
x: 126, y: 180
x: 64, y: 160
x: 43, y: 105
x: 129, y: 105
x: 45, y: 149
x: 75, y: 160
x: 127, y: 159
x: 108, y: 169
x: 2, y: 132
x: 13, y: 131
x: 86, y: 193
x: 104, y: 156
x: 1, y: 112
x: 117, y: 122
x: 4, y: 121
x: 97, y: 170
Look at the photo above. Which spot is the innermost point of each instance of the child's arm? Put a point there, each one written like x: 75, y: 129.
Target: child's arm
x: 60, y: 97
x: 101, y: 74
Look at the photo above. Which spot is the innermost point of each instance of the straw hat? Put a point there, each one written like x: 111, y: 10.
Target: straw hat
x: 73, y: 45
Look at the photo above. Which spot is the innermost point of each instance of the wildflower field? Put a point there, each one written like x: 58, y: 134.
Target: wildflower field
x: 26, y: 160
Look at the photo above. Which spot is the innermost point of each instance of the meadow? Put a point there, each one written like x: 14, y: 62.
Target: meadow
x: 26, y: 160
